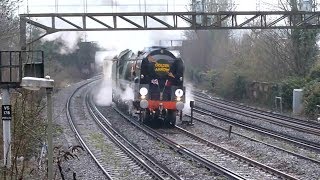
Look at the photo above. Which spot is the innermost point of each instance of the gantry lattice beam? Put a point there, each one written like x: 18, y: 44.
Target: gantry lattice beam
x: 177, y: 20
x: 169, y: 21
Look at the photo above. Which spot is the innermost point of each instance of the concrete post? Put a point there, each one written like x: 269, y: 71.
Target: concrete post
x: 49, y: 131
x: 297, y: 102
x: 280, y: 103
x: 33, y: 83
x: 318, y: 112
x: 6, y: 131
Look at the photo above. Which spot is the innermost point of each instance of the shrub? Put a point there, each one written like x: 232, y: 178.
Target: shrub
x: 286, y: 89
x: 315, y: 73
x: 231, y: 85
x: 223, y: 85
x: 312, y: 98
x: 239, y: 87
x: 28, y: 134
x: 210, y: 78
x: 194, y: 74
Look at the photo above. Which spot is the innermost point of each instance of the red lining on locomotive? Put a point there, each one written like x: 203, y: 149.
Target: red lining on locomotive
x: 166, y: 104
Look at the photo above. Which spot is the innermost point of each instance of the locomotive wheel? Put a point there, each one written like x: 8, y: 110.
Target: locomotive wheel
x: 171, y: 118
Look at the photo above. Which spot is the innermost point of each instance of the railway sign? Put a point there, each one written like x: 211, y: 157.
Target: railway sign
x: 6, y: 113
x: 14, y: 65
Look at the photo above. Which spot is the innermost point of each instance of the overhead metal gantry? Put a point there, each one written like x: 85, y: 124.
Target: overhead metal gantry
x: 168, y: 21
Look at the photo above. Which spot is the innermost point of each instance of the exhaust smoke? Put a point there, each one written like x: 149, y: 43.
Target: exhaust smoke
x: 103, y: 97
x: 127, y: 94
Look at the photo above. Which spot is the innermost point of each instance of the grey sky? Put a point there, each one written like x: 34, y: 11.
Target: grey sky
x: 36, y: 6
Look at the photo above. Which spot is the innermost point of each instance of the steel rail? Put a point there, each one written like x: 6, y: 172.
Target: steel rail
x: 312, y: 124
x: 254, y: 115
x: 255, y: 140
x: 181, y: 149
x: 237, y: 156
x: 305, y: 126
x: 80, y: 139
x: 298, y: 141
x: 106, y: 127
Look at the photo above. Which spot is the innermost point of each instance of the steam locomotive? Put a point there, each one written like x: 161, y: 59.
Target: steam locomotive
x: 155, y: 76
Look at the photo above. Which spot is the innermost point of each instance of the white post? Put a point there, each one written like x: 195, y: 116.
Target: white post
x: 280, y: 103
x: 318, y: 112
x: 6, y: 131
x: 297, y: 102
x: 49, y: 131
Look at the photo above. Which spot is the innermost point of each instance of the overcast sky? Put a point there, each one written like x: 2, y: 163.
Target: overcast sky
x: 130, y: 5
x: 132, y: 39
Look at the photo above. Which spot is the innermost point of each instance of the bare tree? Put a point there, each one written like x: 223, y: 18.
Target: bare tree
x: 264, y: 56
x: 207, y: 49
x: 302, y: 46
x: 9, y: 28
x: 272, y: 55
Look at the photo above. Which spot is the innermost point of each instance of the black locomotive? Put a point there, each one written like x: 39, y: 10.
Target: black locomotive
x: 156, y: 77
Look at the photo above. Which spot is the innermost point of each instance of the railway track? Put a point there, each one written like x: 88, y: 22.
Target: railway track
x: 255, y: 140
x: 233, y: 121
x: 116, y: 157
x: 182, y: 150
x: 79, y: 137
x: 149, y: 162
x: 245, y: 167
x: 211, y: 153
x: 277, y: 119
x: 130, y: 157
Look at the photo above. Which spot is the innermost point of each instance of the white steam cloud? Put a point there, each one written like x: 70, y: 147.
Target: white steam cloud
x: 103, y: 97
x: 102, y: 56
x: 127, y: 94
x: 70, y: 40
